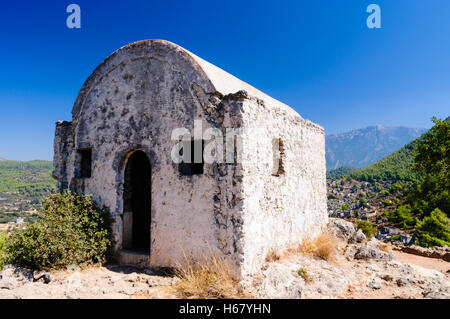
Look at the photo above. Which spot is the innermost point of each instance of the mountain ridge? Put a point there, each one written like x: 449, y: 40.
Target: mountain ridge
x: 362, y: 147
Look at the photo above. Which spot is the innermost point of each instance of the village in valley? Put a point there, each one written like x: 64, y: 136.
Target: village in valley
x: 355, y: 200
x: 16, y: 211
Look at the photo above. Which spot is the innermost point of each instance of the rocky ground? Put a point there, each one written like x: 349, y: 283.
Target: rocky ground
x: 110, y: 282
x: 361, y: 268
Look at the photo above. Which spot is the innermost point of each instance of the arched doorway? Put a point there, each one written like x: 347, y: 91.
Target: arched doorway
x: 137, y: 203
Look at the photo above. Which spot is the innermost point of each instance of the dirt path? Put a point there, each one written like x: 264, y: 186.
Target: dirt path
x: 425, y: 262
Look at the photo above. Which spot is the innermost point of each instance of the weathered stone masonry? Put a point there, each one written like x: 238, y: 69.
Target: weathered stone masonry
x: 133, y: 101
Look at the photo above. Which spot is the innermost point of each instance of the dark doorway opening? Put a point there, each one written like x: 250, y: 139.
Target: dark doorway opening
x: 137, y: 203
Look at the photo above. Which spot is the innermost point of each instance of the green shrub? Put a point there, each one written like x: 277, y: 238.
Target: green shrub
x: 72, y: 230
x: 3, y: 236
x: 367, y: 228
x: 345, y: 207
x: 304, y: 274
x: 434, y: 230
x: 387, y: 202
x: 363, y: 202
x: 384, y: 193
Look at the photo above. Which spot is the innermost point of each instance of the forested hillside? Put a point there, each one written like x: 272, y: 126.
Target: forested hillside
x: 31, y: 178
x: 22, y: 186
x: 394, y: 167
x: 344, y: 170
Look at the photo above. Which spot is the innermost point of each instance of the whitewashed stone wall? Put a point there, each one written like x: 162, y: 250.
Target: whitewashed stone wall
x: 134, y: 100
x: 133, y: 110
x: 280, y: 211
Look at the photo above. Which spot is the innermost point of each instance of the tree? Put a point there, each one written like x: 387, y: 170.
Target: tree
x: 434, y: 230
x: 433, y: 153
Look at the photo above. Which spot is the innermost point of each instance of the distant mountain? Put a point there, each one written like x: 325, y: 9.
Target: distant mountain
x: 396, y: 166
x: 2, y: 159
x: 360, y: 148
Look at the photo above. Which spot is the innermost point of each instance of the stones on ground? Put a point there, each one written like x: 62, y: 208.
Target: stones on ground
x: 388, y: 230
x: 407, y: 239
x: 371, y: 251
x: 279, y: 281
x: 374, y: 283
x: 149, y: 272
x: 434, y: 252
x: 16, y: 282
x: 358, y: 237
x: 325, y: 281
x: 401, y: 282
x: 341, y: 228
x: 437, y: 293
x: 12, y: 277
x: 42, y: 276
x: 373, y: 269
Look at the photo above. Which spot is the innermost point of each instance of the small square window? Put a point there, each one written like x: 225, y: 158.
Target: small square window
x: 193, y: 164
x: 85, y: 167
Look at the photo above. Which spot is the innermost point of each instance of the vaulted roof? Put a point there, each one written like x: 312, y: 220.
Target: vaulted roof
x: 209, y: 76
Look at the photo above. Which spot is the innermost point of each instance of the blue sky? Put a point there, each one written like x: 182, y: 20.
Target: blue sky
x: 318, y: 56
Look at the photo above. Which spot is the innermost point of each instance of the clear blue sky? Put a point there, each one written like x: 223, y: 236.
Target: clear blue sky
x: 316, y: 55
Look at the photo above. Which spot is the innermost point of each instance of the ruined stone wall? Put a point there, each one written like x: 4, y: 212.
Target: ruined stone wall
x: 240, y: 210
x: 281, y: 210
x: 63, y: 146
x: 224, y: 113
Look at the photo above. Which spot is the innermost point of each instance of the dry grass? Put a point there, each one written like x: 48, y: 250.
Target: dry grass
x: 273, y: 255
x: 280, y: 254
x: 209, y: 279
x: 323, y: 246
x: 386, y: 247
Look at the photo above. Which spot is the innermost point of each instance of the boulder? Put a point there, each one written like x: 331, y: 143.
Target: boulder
x: 437, y: 293
x: 12, y: 277
x: 388, y: 230
x: 341, y: 228
x: 279, y: 281
x: 383, y: 237
x: 325, y: 281
x: 358, y: 237
x: 374, y: 283
x: 401, y: 282
x: 371, y: 251
x: 406, y: 239
x: 43, y: 276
